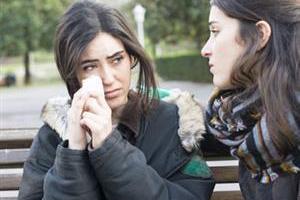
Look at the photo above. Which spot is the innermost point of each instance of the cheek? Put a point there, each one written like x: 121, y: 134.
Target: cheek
x: 124, y: 75
x: 79, y: 78
x: 222, y: 80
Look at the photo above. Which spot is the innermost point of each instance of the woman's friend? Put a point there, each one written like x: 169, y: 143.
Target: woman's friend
x: 254, y: 56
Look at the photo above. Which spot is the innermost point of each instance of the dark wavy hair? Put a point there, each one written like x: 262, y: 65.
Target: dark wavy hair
x: 272, y: 72
x: 79, y: 25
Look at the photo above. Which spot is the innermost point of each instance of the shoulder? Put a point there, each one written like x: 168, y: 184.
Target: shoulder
x: 162, y: 122
x: 54, y: 114
x: 46, y: 140
x: 182, y: 109
x: 163, y: 111
x: 48, y: 135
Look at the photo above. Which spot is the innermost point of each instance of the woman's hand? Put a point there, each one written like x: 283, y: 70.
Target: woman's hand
x: 75, y: 131
x: 97, y: 113
x: 97, y: 118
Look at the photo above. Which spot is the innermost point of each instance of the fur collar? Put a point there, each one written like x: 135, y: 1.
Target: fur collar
x: 191, y: 118
x: 191, y: 122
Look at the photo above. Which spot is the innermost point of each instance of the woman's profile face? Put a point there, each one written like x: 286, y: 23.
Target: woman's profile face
x: 106, y: 57
x: 223, y: 47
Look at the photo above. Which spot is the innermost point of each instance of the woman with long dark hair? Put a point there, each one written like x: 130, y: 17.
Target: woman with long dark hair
x: 107, y: 141
x: 254, y: 56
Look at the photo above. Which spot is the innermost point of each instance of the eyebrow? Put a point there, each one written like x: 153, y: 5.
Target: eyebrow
x: 117, y: 53
x: 97, y: 60
x: 89, y: 61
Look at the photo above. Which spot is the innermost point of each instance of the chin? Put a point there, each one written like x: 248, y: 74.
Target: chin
x: 116, y: 102
x: 223, y: 86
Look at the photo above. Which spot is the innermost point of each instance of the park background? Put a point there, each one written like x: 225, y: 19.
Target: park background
x: 174, y: 32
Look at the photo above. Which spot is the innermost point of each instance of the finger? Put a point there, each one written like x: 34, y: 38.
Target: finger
x: 99, y: 97
x: 97, y: 118
x: 78, y: 104
x: 91, y: 116
x: 78, y: 94
x: 90, y: 123
x: 93, y: 106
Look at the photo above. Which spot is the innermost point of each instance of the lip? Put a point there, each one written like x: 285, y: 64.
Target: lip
x: 112, y: 93
x: 211, y: 66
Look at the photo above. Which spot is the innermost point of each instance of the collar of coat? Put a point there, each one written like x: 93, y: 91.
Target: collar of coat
x: 191, y: 122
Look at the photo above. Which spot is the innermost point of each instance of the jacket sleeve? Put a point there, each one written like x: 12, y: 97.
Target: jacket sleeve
x: 122, y: 170
x: 55, y: 172
x: 40, y: 160
x: 71, y: 176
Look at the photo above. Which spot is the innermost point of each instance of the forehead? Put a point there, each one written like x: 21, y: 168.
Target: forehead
x: 218, y: 17
x: 104, y: 45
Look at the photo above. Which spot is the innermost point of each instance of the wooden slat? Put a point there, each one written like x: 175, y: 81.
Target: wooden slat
x: 10, y: 178
x: 220, y: 178
x: 16, y: 138
x: 227, y: 191
x: 14, y: 150
x: 224, y: 171
x: 221, y: 192
x: 13, y: 157
x: 13, y: 177
x: 9, y: 195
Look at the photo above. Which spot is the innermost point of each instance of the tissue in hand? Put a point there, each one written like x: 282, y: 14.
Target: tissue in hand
x: 92, y: 83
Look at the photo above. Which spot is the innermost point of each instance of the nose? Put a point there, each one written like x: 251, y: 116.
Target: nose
x: 206, y: 50
x: 107, y: 75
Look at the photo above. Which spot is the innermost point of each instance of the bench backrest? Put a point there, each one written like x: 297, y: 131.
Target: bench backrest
x: 14, y: 150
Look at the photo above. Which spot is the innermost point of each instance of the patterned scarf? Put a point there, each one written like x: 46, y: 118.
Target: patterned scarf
x: 244, y: 130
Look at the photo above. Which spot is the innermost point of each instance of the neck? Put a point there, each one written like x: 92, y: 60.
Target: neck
x: 116, y: 114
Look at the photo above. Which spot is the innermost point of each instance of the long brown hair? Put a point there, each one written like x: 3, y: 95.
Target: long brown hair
x: 79, y: 25
x: 273, y: 72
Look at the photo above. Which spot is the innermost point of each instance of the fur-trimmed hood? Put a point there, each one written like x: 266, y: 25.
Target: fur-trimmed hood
x: 191, y: 122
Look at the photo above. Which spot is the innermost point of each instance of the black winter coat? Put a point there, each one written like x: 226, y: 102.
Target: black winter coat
x: 153, y: 165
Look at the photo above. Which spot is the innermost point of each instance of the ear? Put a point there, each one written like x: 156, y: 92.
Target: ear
x: 265, y: 31
x: 133, y: 61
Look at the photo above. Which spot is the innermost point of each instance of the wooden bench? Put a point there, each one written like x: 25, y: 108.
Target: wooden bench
x: 14, y: 149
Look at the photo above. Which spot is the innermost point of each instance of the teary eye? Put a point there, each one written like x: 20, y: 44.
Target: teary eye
x: 117, y: 59
x: 89, y: 67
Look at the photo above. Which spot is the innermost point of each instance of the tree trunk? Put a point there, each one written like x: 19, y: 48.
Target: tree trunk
x: 27, y: 78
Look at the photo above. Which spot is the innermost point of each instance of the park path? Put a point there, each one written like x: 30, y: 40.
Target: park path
x: 21, y: 107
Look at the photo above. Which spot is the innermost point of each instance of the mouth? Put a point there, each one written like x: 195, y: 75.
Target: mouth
x: 211, y: 67
x: 112, y: 93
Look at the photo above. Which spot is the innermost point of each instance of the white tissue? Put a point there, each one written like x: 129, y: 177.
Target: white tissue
x: 92, y: 83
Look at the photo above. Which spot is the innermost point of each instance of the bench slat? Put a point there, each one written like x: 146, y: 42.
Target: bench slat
x: 9, y: 195
x: 13, y: 157
x: 10, y: 178
x: 16, y: 138
x: 14, y: 150
x: 227, y: 191
x: 217, y: 195
x: 224, y: 171
x: 227, y: 195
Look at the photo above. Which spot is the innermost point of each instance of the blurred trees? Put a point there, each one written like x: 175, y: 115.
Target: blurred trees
x: 172, y: 21
x: 28, y: 25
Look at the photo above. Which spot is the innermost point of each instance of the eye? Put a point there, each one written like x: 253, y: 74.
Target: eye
x: 88, y: 68
x: 117, y: 59
x: 214, y: 32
